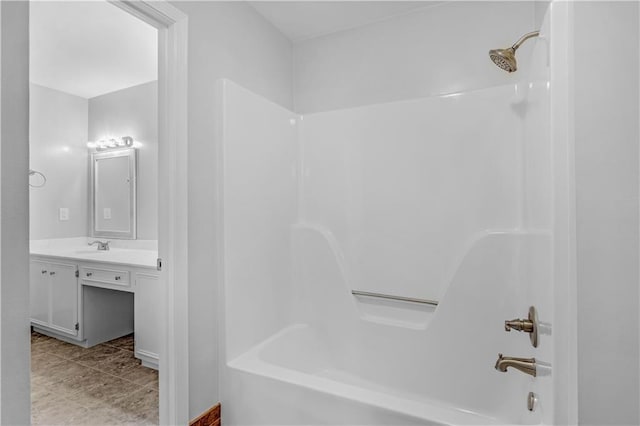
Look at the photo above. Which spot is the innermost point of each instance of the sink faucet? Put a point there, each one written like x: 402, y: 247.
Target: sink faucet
x: 526, y: 365
x: 101, y: 245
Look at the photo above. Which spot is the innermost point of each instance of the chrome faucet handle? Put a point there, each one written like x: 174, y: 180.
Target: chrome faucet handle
x: 529, y: 325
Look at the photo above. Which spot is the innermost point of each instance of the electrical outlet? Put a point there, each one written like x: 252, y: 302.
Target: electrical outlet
x: 63, y: 214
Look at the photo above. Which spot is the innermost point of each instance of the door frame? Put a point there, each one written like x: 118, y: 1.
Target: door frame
x: 172, y: 25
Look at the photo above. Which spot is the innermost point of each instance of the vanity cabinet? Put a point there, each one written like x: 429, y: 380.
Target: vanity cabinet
x: 54, y: 296
x: 114, y: 278
x: 107, y: 302
x: 147, y: 324
x: 89, y: 302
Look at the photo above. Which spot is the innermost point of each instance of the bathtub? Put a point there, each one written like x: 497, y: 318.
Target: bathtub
x: 356, y: 365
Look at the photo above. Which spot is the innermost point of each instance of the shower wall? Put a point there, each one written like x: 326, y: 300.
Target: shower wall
x: 389, y: 183
x: 259, y: 160
x: 431, y: 51
x: 407, y: 187
x: 402, y: 190
x: 396, y: 198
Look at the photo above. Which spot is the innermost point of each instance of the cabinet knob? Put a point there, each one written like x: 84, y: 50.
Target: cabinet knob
x: 52, y: 273
x: 89, y: 274
x: 117, y: 277
x: 43, y: 271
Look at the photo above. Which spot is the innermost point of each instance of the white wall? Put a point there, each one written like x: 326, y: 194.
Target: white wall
x: 606, y: 163
x: 58, y: 148
x: 14, y: 214
x: 133, y: 112
x: 431, y: 51
x: 60, y: 126
x: 226, y: 40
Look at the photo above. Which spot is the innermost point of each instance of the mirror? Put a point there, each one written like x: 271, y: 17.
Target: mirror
x: 113, y: 178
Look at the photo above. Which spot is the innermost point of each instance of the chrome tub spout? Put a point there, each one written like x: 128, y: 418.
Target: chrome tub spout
x: 526, y: 365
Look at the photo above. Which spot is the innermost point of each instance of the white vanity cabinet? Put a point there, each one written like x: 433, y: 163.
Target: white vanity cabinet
x: 147, y: 312
x: 106, y: 302
x: 88, y: 302
x: 54, y: 296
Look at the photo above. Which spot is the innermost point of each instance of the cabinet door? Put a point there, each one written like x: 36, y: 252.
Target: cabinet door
x: 147, y: 317
x: 39, y: 292
x: 64, y: 298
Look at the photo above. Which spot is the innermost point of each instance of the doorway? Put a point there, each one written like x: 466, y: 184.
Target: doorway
x: 94, y: 287
x: 171, y: 26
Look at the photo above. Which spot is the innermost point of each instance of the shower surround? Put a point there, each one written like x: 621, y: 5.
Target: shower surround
x: 446, y: 198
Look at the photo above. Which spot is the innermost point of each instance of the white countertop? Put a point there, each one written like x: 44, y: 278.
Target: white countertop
x: 130, y: 253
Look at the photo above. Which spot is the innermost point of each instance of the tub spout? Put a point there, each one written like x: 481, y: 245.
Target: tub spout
x: 526, y: 365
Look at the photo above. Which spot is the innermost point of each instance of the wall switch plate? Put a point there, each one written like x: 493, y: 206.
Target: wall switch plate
x: 106, y: 213
x: 63, y: 213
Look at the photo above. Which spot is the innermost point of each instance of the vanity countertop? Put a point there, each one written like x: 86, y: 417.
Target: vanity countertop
x: 129, y: 254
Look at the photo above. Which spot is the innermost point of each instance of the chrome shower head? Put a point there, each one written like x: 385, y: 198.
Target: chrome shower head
x: 506, y: 58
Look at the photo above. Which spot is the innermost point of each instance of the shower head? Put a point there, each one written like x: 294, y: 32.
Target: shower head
x: 506, y: 58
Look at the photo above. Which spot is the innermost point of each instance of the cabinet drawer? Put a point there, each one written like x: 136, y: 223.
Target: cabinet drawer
x: 105, y: 275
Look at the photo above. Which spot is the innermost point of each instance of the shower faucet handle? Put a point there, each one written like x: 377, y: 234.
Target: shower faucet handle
x: 519, y: 325
x: 529, y: 325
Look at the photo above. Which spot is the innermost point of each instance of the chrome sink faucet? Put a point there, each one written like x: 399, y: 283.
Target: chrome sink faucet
x: 101, y: 245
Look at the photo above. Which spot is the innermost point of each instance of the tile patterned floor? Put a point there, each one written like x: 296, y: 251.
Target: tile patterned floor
x: 102, y: 385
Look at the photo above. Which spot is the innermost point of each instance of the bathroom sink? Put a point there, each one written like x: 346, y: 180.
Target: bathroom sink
x: 89, y: 251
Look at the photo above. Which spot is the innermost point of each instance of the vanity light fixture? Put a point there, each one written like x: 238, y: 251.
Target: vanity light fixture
x: 112, y: 143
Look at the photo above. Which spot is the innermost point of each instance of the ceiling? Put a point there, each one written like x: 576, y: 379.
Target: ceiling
x: 300, y: 20
x: 89, y: 48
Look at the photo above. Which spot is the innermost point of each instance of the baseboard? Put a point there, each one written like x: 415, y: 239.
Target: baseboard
x: 211, y: 417
x: 147, y: 358
x: 59, y: 336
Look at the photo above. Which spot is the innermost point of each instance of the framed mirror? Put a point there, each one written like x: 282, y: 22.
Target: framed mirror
x: 113, y: 193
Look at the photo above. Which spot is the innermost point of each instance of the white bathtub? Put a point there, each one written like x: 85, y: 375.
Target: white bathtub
x: 348, y: 366
x: 295, y: 357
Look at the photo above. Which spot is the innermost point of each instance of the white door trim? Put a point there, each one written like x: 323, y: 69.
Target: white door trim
x: 172, y: 201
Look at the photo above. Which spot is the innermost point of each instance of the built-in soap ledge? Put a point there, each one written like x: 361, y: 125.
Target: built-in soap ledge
x: 397, y: 313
